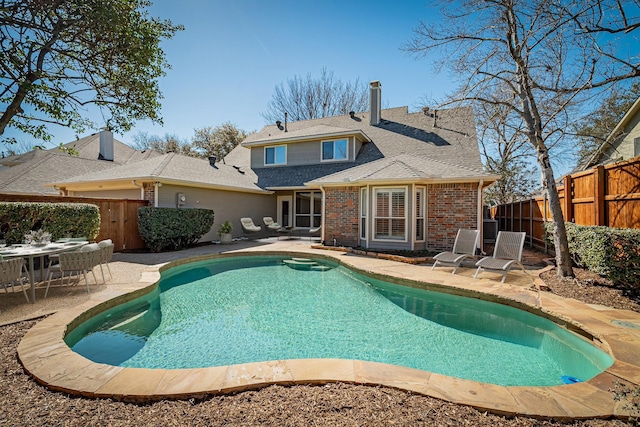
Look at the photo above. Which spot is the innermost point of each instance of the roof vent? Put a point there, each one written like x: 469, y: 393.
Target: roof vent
x: 212, y: 160
x: 352, y: 114
x: 279, y: 124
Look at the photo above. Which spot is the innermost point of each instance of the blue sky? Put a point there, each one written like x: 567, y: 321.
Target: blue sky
x: 232, y: 54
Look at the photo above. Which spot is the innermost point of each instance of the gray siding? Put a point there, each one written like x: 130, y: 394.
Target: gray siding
x: 226, y: 205
x: 303, y: 153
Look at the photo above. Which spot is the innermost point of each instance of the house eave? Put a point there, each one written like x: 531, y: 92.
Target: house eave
x: 485, y: 179
x: 128, y: 184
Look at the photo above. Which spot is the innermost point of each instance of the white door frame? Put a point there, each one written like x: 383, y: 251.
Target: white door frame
x: 281, y: 199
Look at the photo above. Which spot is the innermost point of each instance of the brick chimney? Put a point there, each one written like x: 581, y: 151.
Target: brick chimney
x: 375, y: 101
x: 106, y: 145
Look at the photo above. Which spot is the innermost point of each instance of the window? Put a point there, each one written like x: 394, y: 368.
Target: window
x: 363, y: 213
x: 636, y: 147
x: 420, y: 214
x: 275, y: 155
x: 308, y: 209
x: 334, y: 150
x: 390, y: 216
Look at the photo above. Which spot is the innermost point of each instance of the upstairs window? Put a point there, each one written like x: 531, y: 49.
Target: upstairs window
x: 334, y: 150
x: 275, y: 155
x: 636, y: 147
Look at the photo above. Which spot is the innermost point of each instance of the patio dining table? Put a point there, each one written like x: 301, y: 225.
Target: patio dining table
x: 38, y: 251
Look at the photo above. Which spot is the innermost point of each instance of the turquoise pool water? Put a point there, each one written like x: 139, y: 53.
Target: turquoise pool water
x: 231, y: 311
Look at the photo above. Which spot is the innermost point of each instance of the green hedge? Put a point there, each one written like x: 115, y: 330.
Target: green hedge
x: 173, y: 228
x: 613, y: 253
x: 59, y: 219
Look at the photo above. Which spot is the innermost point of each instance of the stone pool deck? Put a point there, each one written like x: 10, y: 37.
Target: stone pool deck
x: 49, y: 360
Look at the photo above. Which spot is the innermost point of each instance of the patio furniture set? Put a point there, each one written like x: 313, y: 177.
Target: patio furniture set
x: 65, y: 256
x: 272, y: 228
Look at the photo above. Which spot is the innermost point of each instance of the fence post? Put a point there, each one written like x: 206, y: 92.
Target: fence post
x: 531, y: 223
x: 568, y: 199
x: 544, y: 219
x: 599, y: 196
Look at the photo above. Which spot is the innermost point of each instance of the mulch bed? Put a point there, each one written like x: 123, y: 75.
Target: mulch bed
x: 25, y: 403
x: 591, y: 288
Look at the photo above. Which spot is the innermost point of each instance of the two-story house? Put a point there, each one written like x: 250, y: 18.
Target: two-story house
x: 385, y: 178
x: 378, y: 179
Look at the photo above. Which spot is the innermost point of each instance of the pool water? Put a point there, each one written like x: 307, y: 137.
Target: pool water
x: 232, y: 311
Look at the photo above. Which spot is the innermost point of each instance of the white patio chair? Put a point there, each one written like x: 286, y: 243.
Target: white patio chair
x: 106, y: 253
x: 249, y: 228
x: 11, y: 272
x: 271, y: 226
x: 506, y: 253
x: 81, y: 261
x: 463, y: 247
x: 315, y: 231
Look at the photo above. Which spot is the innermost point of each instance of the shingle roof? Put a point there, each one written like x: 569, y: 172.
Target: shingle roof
x: 446, y: 146
x: 45, y: 166
x: 175, y: 168
x: 402, y: 167
x: 29, y: 172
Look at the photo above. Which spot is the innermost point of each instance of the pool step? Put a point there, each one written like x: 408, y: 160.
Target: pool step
x: 305, y: 264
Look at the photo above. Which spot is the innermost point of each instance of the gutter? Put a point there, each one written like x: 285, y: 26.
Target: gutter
x: 141, y: 187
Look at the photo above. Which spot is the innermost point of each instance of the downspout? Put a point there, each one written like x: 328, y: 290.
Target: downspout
x: 322, y: 219
x: 480, y: 216
x: 141, y: 187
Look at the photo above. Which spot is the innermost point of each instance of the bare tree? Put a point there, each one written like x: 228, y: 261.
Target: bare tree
x: 304, y: 98
x: 217, y: 141
x: 506, y: 152
x: 550, y: 55
x: 164, y: 144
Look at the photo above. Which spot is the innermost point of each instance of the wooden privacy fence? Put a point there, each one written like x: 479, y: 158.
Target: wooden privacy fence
x: 605, y: 195
x: 118, y: 217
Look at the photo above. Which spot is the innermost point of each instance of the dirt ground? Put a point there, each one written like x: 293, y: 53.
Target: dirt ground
x: 25, y: 403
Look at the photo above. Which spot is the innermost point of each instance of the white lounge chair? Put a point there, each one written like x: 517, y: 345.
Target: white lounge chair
x: 249, y: 228
x: 271, y: 226
x: 464, y: 247
x: 315, y: 231
x: 507, y: 252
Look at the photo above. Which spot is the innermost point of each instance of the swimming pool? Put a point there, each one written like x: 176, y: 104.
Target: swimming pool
x: 238, y: 310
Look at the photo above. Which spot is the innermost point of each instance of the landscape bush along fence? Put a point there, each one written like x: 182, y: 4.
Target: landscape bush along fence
x: 602, y: 196
x: 17, y: 219
x: 118, y: 217
x: 173, y: 228
x: 613, y: 253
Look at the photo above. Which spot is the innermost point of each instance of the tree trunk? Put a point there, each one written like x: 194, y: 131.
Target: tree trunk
x: 563, y: 256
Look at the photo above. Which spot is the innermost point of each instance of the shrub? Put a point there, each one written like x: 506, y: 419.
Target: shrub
x: 59, y: 219
x: 173, y: 228
x: 613, y: 253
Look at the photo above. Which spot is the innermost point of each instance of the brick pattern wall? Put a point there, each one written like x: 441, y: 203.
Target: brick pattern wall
x: 341, y: 216
x: 149, y: 192
x: 450, y: 207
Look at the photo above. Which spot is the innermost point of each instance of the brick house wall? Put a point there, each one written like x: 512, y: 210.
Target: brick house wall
x: 450, y: 207
x: 149, y: 192
x: 341, y: 216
